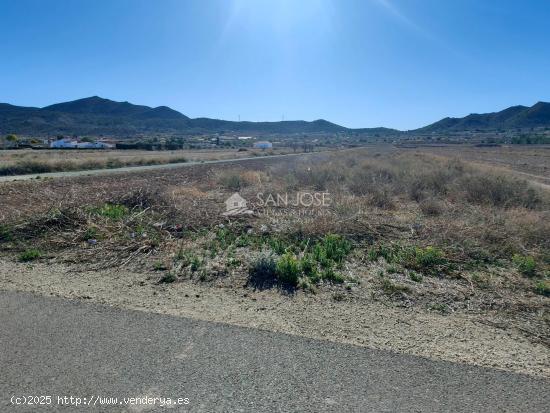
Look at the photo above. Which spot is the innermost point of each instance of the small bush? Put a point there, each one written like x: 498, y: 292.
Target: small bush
x: 425, y: 260
x: 415, y: 277
x: 431, y: 207
x: 232, y: 181
x: 263, y: 273
x: 159, y: 266
x: 391, y: 288
x: 543, y: 288
x: 5, y: 234
x: 196, y: 263
x: 309, y: 267
x: 429, y: 257
x: 288, y: 269
x: 90, y: 233
x: 168, y: 278
x: 112, y: 211
x: 332, y: 276
x: 30, y: 255
x: 525, y: 264
x: 331, y: 249
x: 381, y: 198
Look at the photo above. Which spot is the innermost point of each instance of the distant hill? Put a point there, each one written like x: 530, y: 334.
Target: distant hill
x: 99, y: 116
x: 515, y: 117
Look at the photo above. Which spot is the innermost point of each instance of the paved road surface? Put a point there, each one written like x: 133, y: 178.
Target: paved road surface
x: 52, y: 346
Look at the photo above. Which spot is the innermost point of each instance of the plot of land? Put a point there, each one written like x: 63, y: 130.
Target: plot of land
x: 415, y: 252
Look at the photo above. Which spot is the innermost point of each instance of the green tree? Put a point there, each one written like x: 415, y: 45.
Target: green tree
x: 11, y: 138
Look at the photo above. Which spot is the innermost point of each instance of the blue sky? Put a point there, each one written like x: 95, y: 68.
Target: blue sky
x: 359, y: 63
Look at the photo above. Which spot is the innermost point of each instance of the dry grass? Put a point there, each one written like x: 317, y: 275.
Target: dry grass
x: 20, y: 162
x: 425, y: 230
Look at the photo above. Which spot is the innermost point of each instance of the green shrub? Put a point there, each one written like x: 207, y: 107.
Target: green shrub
x: 309, y: 267
x: 159, y: 266
x: 168, y: 278
x: 278, y: 245
x: 425, y: 260
x: 543, y: 288
x: 112, y: 211
x: 391, y: 288
x: 415, y: 277
x: 30, y: 255
x: 331, y: 249
x: 387, y: 252
x: 232, y: 181
x: 5, y: 233
x: 336, y: 247
x: 288, y: 269
x: 263, y: 272
x: 428, y: 258
x: 195, y: 263
x: 525, y: 264
x: 330, y: 275
x: 90, y: 233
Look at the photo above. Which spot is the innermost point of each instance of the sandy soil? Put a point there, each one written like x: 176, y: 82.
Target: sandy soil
x: 455, y: 337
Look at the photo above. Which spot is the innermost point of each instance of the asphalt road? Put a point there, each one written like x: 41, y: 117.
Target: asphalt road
x: 57, y: 347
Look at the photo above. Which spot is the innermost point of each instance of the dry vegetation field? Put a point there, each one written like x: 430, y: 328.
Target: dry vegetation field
x: 529, y: 160
x: 416, y: 251
x: 29, y: 161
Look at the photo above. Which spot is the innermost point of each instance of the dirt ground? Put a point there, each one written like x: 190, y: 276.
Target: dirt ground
x: 12, y: 156
x: 531, y: 161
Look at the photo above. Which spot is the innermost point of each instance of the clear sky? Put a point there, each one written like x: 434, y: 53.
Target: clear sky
x: 359, y: 63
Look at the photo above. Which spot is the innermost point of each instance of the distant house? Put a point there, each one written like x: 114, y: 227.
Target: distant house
x: 66, y: 143
x: 63, y: 144
x: 94, y: 145
x: 263, y: 145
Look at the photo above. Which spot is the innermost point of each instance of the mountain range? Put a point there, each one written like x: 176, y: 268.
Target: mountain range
x: 99, y: 116
x: 515, y: 117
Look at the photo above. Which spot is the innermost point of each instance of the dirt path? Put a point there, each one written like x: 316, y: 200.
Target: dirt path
x: 126, y: 169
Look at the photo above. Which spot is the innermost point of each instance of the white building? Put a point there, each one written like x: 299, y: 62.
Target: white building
x: 63, y: 143
x: 263, y: 145
x: 94, y: 145
x: 73, y: 144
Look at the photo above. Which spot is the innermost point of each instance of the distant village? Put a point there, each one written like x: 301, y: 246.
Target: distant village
x: 156, y: 143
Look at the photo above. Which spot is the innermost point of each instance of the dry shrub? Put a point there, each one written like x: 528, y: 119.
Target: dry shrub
x: 142, y: 198
x: 370, y: 177
x: 381, y: 198
x: 318, y: 176
x: 499, y: 191
x: 231, y: 180
x: 254, y: 177
x: 533, y: 227
x: 431, y: 207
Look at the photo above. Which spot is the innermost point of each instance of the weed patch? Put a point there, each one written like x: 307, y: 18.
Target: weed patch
x: 526, y: 265
x: 30, y: 255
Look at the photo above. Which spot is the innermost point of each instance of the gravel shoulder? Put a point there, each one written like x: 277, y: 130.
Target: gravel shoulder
x: 455, y: 337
